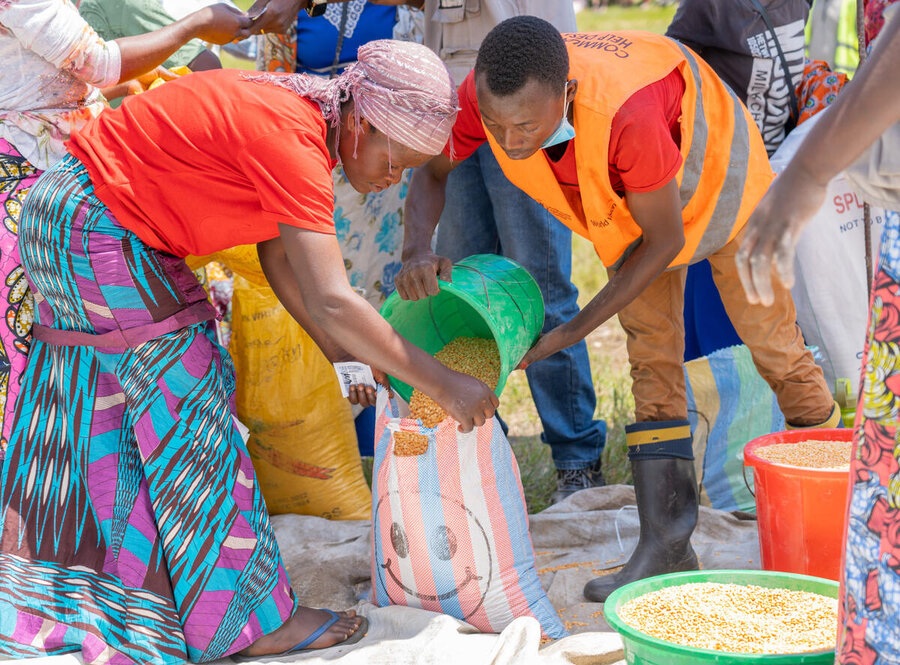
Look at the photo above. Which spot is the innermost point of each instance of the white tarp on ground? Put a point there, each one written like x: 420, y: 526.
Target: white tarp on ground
x: 592, y: 532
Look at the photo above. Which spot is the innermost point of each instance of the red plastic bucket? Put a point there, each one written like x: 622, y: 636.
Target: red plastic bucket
x: 800, y: 511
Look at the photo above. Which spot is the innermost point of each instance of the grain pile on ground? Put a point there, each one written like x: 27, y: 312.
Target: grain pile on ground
x: 470, y: 355
x: 736, y: 618
x: 409, y: 444
x: 834, y: 455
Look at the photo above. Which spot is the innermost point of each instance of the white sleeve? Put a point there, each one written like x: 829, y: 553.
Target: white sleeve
x: 54, y: 30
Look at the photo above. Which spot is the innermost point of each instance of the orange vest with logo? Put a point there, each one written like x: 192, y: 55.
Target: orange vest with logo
x: 725, y: 171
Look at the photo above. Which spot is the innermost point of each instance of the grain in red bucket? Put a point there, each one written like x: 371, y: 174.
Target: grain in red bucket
x: 801, y: 510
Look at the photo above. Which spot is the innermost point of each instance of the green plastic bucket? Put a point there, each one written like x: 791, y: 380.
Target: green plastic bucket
x: 642, y: 649
x: 491, y: 297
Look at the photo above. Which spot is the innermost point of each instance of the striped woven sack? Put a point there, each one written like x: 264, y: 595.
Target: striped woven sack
x: 729, y: 405
x: 450, y: 526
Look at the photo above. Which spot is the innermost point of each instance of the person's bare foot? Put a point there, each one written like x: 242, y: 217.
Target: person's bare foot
x: 303, y: 623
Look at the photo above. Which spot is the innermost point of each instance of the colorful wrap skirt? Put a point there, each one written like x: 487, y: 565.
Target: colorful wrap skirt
x: 133, y: 530
x: 869, y: 624
x: 17, y: 176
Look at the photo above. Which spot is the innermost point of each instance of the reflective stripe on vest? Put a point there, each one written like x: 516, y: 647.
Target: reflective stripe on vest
x: 725, y: 215
x: 693, y: 163
x: 725, y: 170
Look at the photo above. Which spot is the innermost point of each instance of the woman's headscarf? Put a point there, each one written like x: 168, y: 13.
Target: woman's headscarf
x: 402, y: 88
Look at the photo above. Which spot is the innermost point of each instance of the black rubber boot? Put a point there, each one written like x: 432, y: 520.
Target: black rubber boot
x: 667, y: 501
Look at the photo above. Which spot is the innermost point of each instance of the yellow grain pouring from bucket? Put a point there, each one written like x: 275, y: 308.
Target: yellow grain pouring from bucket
x: 470, y: 355
x: 410, y: 444
x: 736, y: 618
x: 489, y: 297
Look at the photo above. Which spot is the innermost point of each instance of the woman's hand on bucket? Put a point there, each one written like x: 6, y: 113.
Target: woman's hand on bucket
x: 418, y: 278
x: 468, y: 401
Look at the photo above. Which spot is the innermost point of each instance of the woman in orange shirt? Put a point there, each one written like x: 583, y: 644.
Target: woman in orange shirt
x: 149, y: 537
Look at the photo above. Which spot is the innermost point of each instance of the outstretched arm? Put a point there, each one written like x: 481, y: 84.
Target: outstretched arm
x: 866, y: 107
x: 281, y: 15
x: 217, y: 23
x: 323, y: 299
x: 418, y: 278
x: 658, y: 213
x: 56, y: 32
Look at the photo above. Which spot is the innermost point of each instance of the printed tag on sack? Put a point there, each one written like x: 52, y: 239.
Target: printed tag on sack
x: 353, y: 374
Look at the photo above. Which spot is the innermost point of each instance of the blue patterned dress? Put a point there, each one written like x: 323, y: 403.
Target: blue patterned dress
x: 870, y: 588
x: 131, y: 526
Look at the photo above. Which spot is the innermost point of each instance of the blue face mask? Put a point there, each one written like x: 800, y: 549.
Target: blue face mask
x: 565, y: 131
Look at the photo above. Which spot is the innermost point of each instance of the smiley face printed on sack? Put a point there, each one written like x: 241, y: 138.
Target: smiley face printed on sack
x: 442, y: 544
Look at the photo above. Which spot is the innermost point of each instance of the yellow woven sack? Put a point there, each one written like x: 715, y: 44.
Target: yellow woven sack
x: 302, y: 438
x: 241, y: 260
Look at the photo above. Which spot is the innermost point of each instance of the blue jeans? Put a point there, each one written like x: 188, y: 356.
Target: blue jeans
x: 486, y: 214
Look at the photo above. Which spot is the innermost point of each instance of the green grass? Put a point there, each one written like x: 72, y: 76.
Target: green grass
x: 651, y: 19
x: 230, y: 62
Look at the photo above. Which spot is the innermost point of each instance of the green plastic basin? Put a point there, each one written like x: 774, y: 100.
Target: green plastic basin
x: 490, y: 297
x: 642, y: 649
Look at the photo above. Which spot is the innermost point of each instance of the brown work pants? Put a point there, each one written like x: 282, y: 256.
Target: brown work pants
x: 654, y: 325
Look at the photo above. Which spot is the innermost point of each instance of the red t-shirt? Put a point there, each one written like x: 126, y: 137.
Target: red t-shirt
x: 211, y: 161
x: 644, y: 141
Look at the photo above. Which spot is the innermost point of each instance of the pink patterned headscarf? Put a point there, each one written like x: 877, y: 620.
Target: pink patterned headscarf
x: 402, y: 88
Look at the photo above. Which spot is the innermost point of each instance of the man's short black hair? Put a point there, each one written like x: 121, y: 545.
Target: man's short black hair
x: 522, y: 48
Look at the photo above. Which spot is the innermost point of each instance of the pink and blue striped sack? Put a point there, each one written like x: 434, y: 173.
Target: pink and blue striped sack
x: 450, y: 526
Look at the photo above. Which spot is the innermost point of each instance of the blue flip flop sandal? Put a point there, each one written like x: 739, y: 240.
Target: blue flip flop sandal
x: 316, y: 634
